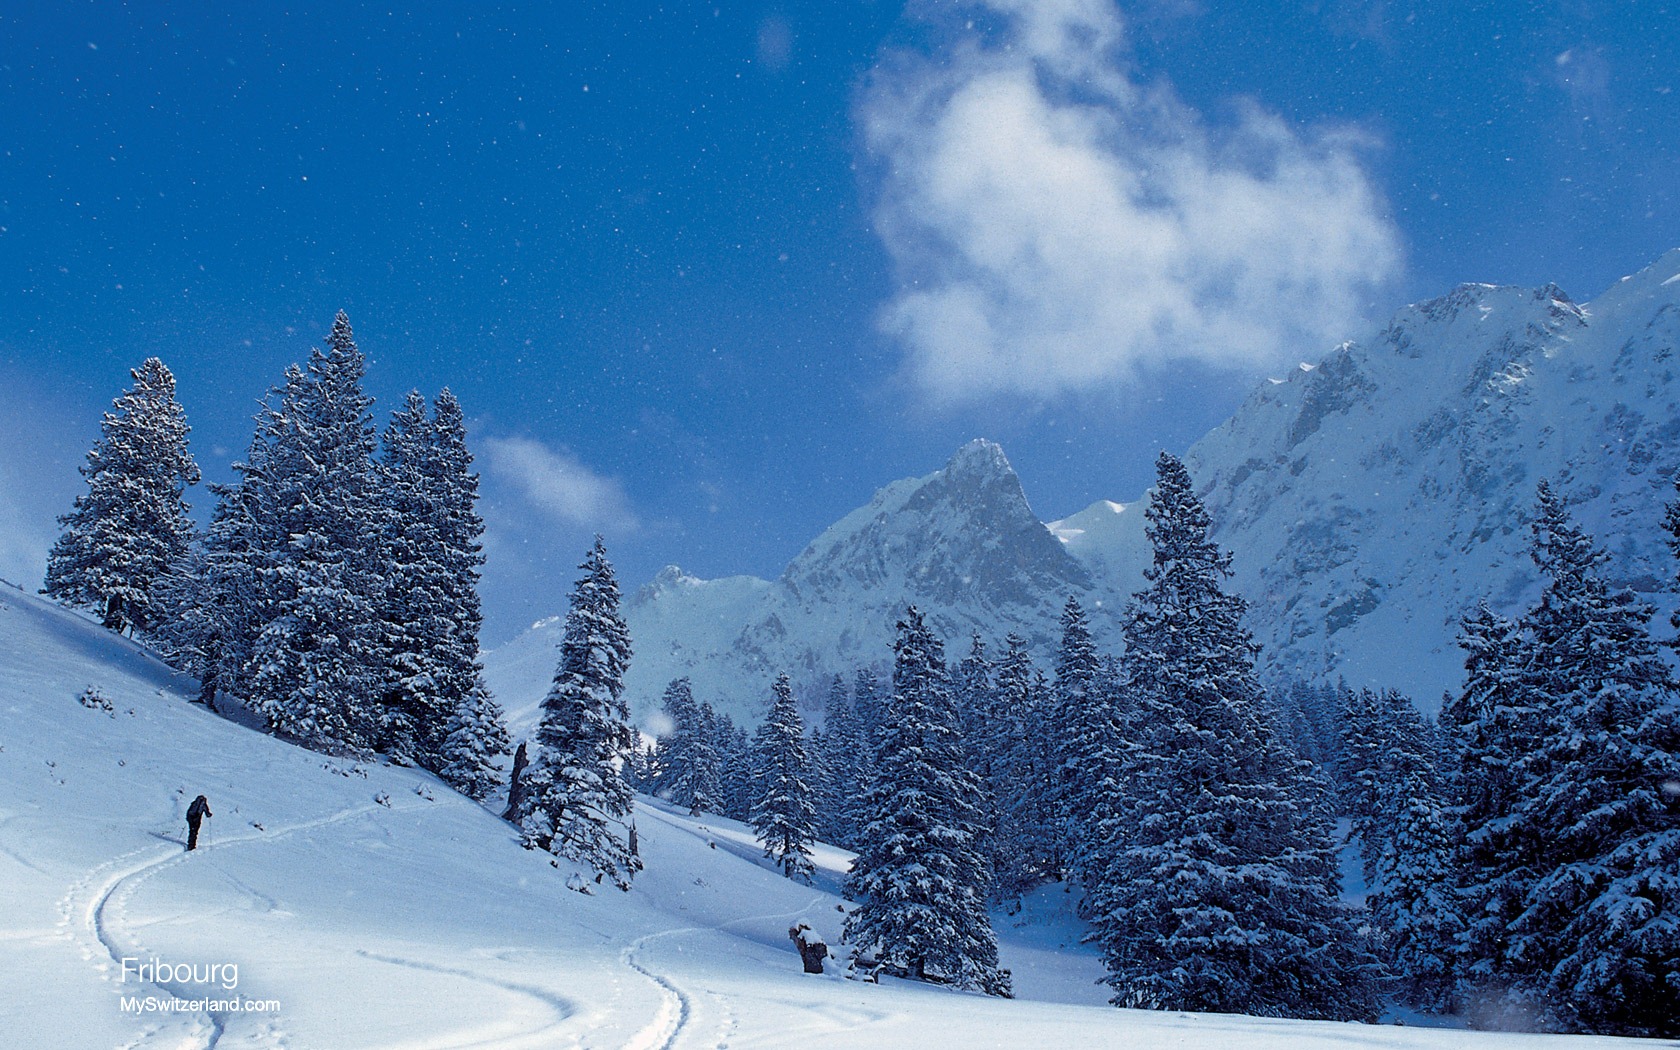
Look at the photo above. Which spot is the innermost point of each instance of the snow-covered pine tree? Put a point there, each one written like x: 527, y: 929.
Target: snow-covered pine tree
x: 475, y: 740
x: 415, y: 603
x: 919, y: 878
x: 1221, y: 893
x: 1087, y: 736
x: 844, y: 761
x: 871, y: 708
x: 579, y: 802
x: 232, y: 604
x: 784, y: 813
x: 130, y: 529
x: 1596, y: 944
x: 1024, y: 848
x: 973, y: 694
x: 1383, y: 740
x: 456, y: 668
x: 688, y: 761
x: 734, y: 762
x: 1415, y: 905
x: 315, y: 666
x: 1490, y: 725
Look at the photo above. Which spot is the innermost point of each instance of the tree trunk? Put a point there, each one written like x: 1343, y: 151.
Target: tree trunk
x: 516, y: 784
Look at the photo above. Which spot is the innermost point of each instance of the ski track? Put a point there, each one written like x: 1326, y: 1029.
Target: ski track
x: 674, y: 1009
x: 562, y: 1007
x: 96, y: 906
x: 677, y: 1010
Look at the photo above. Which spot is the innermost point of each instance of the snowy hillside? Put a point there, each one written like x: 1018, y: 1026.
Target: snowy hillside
x: 346, y: 906
x: 1369, y: 501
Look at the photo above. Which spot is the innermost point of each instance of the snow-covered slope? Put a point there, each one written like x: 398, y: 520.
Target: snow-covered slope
x: 346, y: 906
x: 1373, y: 499
x: 1369, y: 501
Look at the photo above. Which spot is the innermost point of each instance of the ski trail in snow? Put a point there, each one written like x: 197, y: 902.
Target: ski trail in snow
x: 675, y: 1006
x: 95, y: 904
x: 542, y: 1036
x: 676, y: 1010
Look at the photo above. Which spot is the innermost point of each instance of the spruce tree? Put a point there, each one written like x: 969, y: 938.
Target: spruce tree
x: 844, y: 761
x: 1218, y: 892
x: 415, y: 601
x: 688, y: 761
x: 1087, y: 735
x: 919, y: 878
x: 1025, y: 846
x: 784, y: 812
x: 126, y: 534
x: 316, y: 663
x: 475, y: 739
x: 456, y: 670
x: 579, y: 802
x: 1596, y: 943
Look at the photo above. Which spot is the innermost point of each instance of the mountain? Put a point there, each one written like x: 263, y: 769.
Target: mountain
x: 1369, y: 501
x: 961, y: 543
x: 1372, y: 500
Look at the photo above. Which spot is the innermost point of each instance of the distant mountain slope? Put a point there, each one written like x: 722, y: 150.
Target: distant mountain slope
x: 962, y: 543
x: 1369, y: 501
x: 1372, y: 500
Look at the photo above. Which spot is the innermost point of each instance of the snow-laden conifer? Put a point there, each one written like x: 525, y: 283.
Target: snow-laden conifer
x: 688, y: 760
x: 1220, y: 894
x: 475, y: 739
x: 130, y: 530
x: 919, y: 878
x: 579, y: 801
x: 1595, y: 943
x: 784, y: 811
x: 316, y: 663
x: 844, y: 759
x: 1025, y: 846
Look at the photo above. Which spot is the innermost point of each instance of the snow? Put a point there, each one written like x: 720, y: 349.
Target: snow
x: 370, y: 906
x: 1369, y: 501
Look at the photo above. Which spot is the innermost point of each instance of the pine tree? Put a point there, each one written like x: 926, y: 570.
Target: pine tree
x: 919, y: 878
x: 1596, y: 942
x: 476, y: 738
x: 735, y: 764
x: 125, y: 535
x: 1219, y: 889
x: 1025, y: 847
x: 316, y: 662
x: 456, y: 670
x: 1416, y: 906
x: 579, y: 802
x: 1087, y: 736
x: 784, y: 813
x: 415, y: 601
x: 688, y: 761
x: 844, y: 760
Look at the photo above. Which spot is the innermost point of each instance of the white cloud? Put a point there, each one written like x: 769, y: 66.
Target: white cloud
x: 558, y: 484
x: 1057, y: 225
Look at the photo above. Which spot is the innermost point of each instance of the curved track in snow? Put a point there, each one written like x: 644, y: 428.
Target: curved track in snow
x: 95, y: 903
x: 677, y: 1009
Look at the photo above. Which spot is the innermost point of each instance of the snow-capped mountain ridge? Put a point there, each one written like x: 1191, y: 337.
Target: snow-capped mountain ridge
x: 1373, y: 500
x: 1369, y: 500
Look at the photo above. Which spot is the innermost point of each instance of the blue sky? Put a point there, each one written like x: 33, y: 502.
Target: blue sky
x: 706, y: 275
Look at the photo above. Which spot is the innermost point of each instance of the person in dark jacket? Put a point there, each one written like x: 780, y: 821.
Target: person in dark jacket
x: 196, y: 813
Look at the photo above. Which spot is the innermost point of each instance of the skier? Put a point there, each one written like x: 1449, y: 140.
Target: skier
x: 196, y: 813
